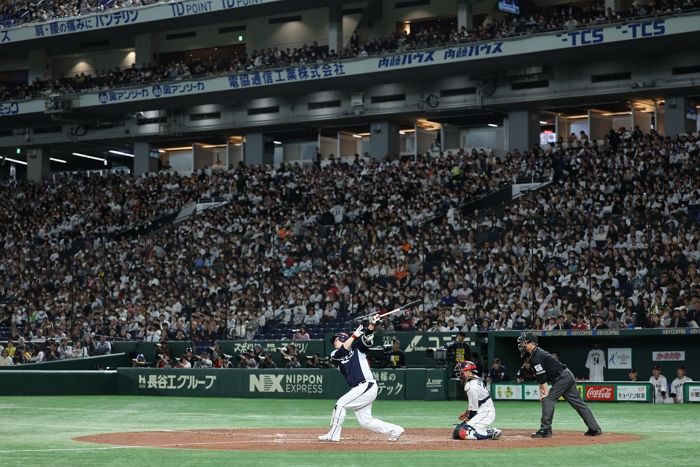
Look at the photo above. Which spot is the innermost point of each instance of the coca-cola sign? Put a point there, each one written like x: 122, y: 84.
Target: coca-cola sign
x: 600, y: 393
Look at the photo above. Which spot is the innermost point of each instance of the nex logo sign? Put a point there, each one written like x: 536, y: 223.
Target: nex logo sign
x: 265, y: 383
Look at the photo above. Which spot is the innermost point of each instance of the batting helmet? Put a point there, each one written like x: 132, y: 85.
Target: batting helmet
x: 340, y: 336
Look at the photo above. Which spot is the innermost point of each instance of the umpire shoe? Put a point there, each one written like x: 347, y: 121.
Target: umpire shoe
x: 590, y: 432
x: 542, y: 433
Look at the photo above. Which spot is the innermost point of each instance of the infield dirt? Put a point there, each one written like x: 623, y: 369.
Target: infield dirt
x: 418, y: 439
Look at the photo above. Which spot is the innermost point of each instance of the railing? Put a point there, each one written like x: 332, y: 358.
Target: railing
x: 510, y: 37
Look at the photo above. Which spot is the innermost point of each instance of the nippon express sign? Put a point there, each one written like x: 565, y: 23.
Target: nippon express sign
x: 288, y: 384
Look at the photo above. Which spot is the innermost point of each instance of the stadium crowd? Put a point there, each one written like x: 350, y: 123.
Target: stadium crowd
x: 542, y: 20
x: 612, y: 242
x: 16, y: 12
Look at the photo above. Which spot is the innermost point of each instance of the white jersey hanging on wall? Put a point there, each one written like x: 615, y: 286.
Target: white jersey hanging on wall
x: 595, y: 364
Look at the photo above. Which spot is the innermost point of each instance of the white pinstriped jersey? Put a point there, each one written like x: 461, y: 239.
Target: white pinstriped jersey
x: 476, y: 391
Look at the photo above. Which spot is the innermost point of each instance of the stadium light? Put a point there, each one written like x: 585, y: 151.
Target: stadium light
x: 542, y: 122
x: 58, y: 160
x: 78, y: 154
x: 493, y: 125
x: 119, y: 153
x: 16, y: 161
x: 357, y: 136
x: 277, y: 142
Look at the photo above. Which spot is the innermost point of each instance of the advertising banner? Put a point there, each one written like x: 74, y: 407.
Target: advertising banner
x: 668, y: 356
x: 620, y: 358
x: 593, y: 391
x: 600, y: 393
x: 507, y: 391
x: 692, y: 392
x: 632, y: 393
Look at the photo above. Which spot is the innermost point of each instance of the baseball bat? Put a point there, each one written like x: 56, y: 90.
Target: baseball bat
x: 395, y: 310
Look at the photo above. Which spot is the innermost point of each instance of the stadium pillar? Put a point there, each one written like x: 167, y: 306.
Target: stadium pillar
x: 145, y: 47
x: 451, y: 137
x: 38, y: 165
x: 384, y: 140
x: 335, y: 26
x: 675, y: 116
x: 143, y: 163
x: 614, y: 5
x: 38, y: 65
x: 465, y: 14
x: 258, y: 149
x: 522, y: 129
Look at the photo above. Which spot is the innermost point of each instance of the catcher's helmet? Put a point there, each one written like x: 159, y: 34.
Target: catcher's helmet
x: 464, y: 366
x: 340, y: 336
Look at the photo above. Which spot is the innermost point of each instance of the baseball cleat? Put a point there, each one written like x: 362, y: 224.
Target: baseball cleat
x: 590, y: 432
x: 327, y: 437
x: 395, y: 435
x: 542, y: 433
x: 495, y: 434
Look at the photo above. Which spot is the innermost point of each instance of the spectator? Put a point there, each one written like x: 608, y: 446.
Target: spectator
x: 65, y: 351
x: 397, y: 359
x: 5, y: 359
x: 301, y: 335
x: 104, y: 347
x: 79, y: 351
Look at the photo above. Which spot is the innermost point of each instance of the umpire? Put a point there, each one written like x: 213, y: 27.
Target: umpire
x: 550, y: 370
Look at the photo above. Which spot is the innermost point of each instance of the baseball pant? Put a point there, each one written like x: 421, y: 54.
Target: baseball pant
x: 565, y: 385
x: 482, y: 420
x: 359, y: 399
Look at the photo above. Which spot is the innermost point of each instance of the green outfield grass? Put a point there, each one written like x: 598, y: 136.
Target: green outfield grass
x: 38, y: 430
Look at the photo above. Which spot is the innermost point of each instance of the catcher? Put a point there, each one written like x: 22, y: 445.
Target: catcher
x: 480, y: 412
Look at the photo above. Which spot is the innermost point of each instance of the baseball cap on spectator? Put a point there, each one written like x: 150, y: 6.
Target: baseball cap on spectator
x: 656, y: 367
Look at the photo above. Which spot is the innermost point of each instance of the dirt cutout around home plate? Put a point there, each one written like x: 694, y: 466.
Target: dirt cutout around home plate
x: 353, y: 439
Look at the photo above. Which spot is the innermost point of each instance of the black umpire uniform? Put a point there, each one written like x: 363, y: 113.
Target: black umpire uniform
x: 550, y: 370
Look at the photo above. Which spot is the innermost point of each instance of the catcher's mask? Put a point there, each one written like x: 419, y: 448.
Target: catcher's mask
x: 466, y: 366
x: 461, y: 431
x: 522, y: 339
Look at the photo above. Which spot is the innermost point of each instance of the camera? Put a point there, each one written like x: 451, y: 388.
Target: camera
x: 439, y: 354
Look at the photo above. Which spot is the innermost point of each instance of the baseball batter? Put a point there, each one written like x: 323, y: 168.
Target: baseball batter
x: 480, y: 413
x: 350, y: 356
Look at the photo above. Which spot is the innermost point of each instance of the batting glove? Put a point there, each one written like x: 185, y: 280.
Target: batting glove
x: 358, y: 332
x: 376, y: 319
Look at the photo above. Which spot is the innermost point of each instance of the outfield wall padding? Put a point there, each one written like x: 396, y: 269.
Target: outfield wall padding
x: 57, y: 383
